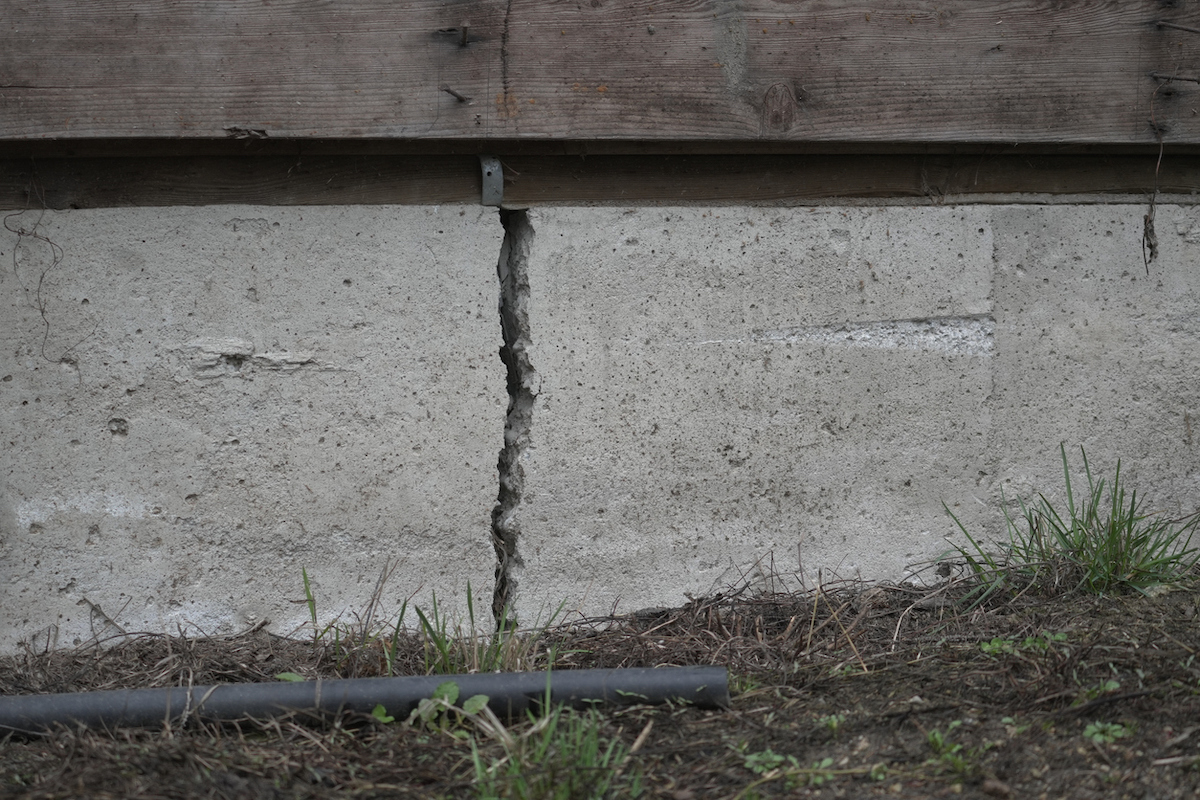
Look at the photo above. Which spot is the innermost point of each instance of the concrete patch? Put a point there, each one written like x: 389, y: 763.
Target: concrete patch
x: 198, y: 402
x: 955, y: 335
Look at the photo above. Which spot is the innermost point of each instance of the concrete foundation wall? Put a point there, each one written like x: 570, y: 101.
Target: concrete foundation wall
x: 726, y: 393
x: 217, y: 397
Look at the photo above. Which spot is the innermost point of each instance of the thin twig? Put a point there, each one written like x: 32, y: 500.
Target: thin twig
x: 1099, y: 701
x: 849, y: 641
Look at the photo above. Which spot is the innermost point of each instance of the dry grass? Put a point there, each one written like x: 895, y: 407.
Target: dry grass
x: 841, y: 691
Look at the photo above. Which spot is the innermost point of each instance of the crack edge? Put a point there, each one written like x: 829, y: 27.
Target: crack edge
x: 522, y: 384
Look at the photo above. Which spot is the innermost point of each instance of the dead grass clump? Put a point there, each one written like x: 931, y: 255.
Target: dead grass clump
x: 844, y: 690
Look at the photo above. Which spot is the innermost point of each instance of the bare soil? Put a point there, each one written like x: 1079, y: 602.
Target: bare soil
x: 853, y: 691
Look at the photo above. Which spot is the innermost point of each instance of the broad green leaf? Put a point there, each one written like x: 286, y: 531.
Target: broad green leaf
x: 447, y: 691
x: 475, y: 703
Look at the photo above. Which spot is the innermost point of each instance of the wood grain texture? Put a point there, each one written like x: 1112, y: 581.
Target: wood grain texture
x: 532, y: 181
x: 734, y: 71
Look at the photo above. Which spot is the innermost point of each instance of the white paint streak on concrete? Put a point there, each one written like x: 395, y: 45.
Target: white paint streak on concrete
x: 112, y: 504
x: 957, y: 335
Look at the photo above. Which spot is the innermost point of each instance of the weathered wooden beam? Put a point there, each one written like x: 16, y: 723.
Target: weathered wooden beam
x: 1101, y: 72
x: 558, y: 180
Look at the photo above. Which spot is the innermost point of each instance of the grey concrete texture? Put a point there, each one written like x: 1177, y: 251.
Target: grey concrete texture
x: 733, y: 394
x: 197, y: 403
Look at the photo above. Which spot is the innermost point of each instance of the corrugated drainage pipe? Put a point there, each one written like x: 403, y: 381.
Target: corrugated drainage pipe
x: 509, y: 693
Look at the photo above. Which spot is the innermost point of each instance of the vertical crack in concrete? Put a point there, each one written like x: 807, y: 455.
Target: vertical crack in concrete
x: 522, y: 390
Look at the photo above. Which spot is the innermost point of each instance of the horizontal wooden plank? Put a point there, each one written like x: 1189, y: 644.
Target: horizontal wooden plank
x: 1100, y: 72
x: 274, y: 180
x: 619, y: 180
x: 291, y: 148
x: 560, y: 180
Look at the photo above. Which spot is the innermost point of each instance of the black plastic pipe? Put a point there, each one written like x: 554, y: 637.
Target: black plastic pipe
x: 509, y: 694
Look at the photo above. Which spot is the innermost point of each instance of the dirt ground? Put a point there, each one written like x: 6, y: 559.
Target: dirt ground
x: 849, y: 691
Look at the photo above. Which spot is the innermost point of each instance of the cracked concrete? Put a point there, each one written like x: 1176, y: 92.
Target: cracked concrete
x: 523, y: 385
x: 198, y: 402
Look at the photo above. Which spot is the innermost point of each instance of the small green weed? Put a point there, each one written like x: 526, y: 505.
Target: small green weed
x: 847, y: 670
x: 949, y: 755
x: 1099, y: 690
x: 1106, y: 732
x: 833, y: 723
x: 1040, y: 643
x: 1102, y: 542
x: 439, y: 713
x: 563, y: 755
x: 743, y: 684
x: 1014, y: 728
x: 940, y: 742
x: 774, y: 766
x: 820, y: 772
x: 767, y: 760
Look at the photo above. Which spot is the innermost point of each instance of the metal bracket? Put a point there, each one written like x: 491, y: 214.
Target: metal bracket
x: 493, y: 181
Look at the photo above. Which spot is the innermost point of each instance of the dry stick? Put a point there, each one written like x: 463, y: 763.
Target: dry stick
x: 849, y: 641
x: 660, y: 626
x: 861, y: 616
x: 637, y: 745
x: 791, y: 623
x: 813, y: 631
x: 812, y: 622
x: 1181, y: 737
x: 641, y: 738
x: 1176, y: 641
x: 903, y: 614
x: 1099, y: 701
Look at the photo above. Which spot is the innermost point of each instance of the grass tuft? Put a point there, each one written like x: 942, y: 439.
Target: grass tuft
x: 1102, y: 542
x: 370, y: 646
x: 562, y: 754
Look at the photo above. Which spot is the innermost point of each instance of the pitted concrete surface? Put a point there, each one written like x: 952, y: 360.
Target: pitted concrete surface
x: 216, y: 398
x: 198, y: 402
x: 724, y: 394
x: 1094, y: 349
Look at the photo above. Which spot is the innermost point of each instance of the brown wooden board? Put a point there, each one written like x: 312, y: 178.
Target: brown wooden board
x: 559, y: 180
x: 795, y: 71
x: 271, y: 180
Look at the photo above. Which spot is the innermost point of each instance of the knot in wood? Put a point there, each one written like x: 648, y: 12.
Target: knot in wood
x: 779, y: 108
